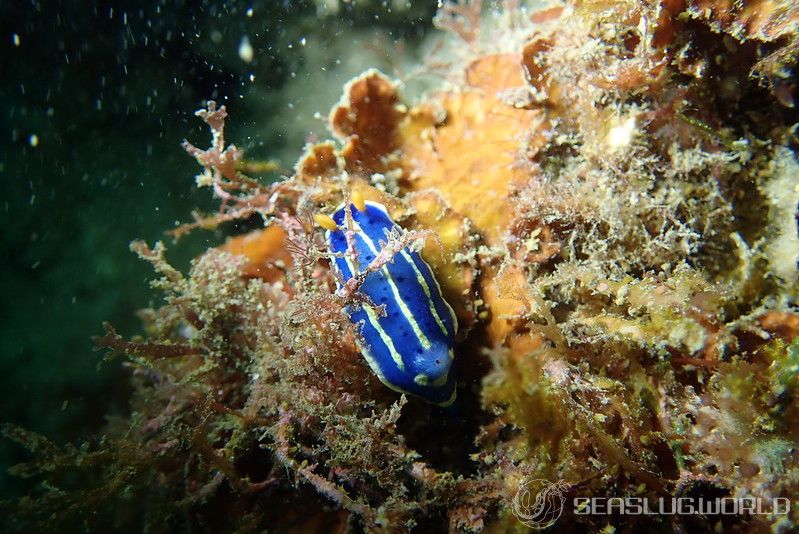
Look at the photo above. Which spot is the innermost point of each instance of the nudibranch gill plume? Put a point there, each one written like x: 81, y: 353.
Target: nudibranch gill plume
x: 410, y: 346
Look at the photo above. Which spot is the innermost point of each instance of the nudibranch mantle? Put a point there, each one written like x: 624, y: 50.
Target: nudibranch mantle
x: 410, y: 348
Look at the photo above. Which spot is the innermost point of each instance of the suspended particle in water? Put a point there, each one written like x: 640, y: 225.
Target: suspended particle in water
x: 246, y: 52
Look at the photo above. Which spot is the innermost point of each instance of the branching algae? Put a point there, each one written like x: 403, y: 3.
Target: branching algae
x: 605, y: 195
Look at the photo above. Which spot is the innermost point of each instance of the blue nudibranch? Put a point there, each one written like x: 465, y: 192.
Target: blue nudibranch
x: 410, y: 348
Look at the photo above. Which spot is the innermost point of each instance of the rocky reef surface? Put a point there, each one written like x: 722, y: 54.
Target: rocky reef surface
x: 609, y: 189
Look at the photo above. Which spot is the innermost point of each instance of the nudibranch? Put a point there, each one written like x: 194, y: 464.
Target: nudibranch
x: 409, y: 346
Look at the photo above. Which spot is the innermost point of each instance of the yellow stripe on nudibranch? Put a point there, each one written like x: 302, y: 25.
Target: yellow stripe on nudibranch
x: 429, y: 272
x: 449, y: 401
x: 438, y: 287
x: 372, y: 362
x: 426, y: 290
x: 373, y: 320
x: 370, y: 359
x: 395, y: 290
x: 424, y: 380
x: 419, y: 379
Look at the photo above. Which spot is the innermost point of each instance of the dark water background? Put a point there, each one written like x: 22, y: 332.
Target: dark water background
x: 96, y: 98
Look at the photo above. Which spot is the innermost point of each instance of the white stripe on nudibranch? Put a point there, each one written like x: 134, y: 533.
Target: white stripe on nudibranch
x: 395, y: 290
x: 374, y: 322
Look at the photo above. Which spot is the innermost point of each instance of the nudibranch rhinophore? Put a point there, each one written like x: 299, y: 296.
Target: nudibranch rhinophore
x: 410, y: 347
